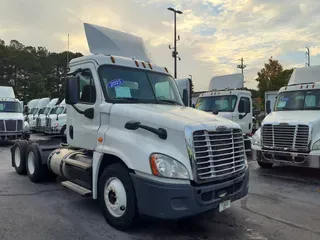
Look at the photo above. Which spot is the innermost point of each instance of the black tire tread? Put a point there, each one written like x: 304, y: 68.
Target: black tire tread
x: 23, y: 145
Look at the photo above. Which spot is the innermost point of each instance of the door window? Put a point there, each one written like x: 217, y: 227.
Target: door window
x: 87, y: 89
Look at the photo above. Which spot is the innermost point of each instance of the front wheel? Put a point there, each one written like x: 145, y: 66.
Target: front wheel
x: 117, y: 197
x: 265, y: 165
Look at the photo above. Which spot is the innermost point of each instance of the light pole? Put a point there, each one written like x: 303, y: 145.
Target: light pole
x: 174, y: 52
x: 308, y: 57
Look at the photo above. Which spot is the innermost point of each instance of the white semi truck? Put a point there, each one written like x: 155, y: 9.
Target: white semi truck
x: 131, y: 142
x: 226, y: 98
x: 12, y: 124
x: 290, y: 134
x: 39, y: 109
x: 41, y: 119
x: 56, y: 122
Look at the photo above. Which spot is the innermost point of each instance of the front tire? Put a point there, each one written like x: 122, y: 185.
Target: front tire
x: 117, y: 197
x: 265, y: 165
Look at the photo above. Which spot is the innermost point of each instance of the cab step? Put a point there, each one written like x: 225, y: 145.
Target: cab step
x: 77, y: 188
x: 79, y: 164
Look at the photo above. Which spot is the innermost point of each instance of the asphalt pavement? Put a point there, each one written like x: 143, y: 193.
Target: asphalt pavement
x: 283, y: 203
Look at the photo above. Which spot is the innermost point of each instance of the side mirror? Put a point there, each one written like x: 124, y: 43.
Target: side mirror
x: 193, y: 105
x: 185, y: 97
x: 247, y: 108
x: 268, y: 107
x: 72, y: 90
x: 241, y: 106
x: 26, y: 110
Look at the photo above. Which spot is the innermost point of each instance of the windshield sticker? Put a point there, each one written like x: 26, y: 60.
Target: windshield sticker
x: 284, y: 99
x: 115, y: 83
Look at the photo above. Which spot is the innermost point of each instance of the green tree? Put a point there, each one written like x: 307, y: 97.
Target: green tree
x: 272, y: 77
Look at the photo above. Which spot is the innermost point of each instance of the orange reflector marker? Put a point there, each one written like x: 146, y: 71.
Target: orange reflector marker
x: 153, y: 163
x: 143, y: 64
x: 112, y: 59
x: 100, y: 139
x: 136, y: 62
x: 150, y: 66
x: 312, y: 85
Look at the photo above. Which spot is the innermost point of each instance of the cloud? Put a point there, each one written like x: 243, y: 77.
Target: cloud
x: 215, y: 34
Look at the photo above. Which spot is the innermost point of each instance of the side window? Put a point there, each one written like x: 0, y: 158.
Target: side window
x: 244, y: 105
x: 162, y: 90
x: 87, y: 89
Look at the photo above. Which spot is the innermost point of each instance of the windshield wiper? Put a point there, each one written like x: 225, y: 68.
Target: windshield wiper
x: 132, y: 100
x: 168, y: 101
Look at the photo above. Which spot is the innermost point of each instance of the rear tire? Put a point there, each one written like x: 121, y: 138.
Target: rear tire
x: 117, y: 197
x: 19, y: 156
x: 35, y: 169
x: 265, y: 165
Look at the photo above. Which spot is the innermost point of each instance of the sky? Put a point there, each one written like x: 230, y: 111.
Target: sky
x: 214, y: 34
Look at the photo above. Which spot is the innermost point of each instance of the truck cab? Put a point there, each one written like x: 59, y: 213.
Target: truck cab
x: 12, y: 124
x: 41, y: 120
x: 231, y: 102
x: 290, y: 134
x: 133, y: 144
x: 39, y: 109
x: 57, y: 120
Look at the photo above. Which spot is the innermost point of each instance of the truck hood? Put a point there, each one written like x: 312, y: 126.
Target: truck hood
x: 9, y: 115
x: 312, y: 117
x: 170, y: 116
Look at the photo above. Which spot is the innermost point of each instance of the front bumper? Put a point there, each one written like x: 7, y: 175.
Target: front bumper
x: 287, y: 158
x: 177, y: 201
x: 52, y: 130
x: 10, y: 135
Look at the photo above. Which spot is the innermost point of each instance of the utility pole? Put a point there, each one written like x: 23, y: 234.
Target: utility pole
x: 308, y: 57
x: 241, y: 66
x: 174, y: 52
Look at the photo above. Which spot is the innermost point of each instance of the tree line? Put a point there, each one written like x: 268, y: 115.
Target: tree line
x: 35, y: 72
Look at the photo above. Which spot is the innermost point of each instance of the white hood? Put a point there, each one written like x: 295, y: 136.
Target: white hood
x: 170, y: 116
x: 9, y: 115
x: 295, y: 117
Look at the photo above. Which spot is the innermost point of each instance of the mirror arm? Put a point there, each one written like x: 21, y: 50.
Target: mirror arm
x: 77, y: 109
x: 242, y: 116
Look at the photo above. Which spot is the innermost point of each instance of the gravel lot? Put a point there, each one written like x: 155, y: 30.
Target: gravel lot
x: 283, y: 203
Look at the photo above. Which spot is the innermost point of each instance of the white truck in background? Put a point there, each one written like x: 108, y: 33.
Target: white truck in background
x: 30, y: 108
x: 56, y: 122
x: 121, y: 108
x: 39, y: 109
x: 41, y: 119
x: 12, y: 124
x: 290, y: 134
x: 226, y: 98
x: 270, y: 100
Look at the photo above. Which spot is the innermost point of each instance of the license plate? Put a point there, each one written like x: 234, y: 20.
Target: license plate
x: 224, y: 205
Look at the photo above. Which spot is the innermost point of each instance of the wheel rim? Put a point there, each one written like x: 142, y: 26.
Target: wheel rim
x: 31, y: 163
x: 115, y: 197
x: 17, y: 157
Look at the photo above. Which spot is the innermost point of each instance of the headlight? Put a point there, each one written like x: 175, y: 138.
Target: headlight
x: 164, y: 166
x: 316, y: 145
x: 256, y: 140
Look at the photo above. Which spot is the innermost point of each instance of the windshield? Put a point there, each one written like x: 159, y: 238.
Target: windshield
x: 53, y: 110
x: 10, y: 107
x: 34, y: 110
x: 41, y: 111
x: 60, y: 110
x: 128, y: 85
x: 219, y: 103
x: 298, y: 100
x: 46, y: 110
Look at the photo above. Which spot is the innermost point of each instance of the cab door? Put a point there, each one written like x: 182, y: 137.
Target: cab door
x: 245, y: 114
x: 82, y: 131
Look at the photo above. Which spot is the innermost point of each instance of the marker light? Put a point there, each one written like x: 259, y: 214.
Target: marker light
x: 112, y: 59
x: 166, y: 69
x: 136, y: 62
x: 143, y: 64
x: 150, y: 66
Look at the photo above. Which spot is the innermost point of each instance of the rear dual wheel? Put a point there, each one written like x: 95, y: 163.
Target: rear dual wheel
x: 19, y: 151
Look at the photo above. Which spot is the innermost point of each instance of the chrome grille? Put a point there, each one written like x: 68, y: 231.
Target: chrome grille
x: 19, y: 125
x: 11, y: 125
x: 295, y: 137
x: 218, y: 153
x: 48, y: 122
x: 38, y: 122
